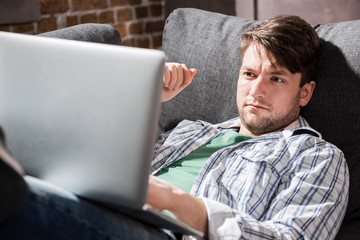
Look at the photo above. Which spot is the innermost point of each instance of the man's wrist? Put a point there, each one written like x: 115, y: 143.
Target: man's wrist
x: 191, y: 210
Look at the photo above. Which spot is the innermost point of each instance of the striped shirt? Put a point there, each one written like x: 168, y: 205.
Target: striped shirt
x: 289, y: 184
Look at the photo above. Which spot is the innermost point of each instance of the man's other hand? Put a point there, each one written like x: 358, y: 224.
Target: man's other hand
x: 176, y: 77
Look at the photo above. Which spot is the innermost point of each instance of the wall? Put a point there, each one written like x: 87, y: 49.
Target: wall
x: 140, y: 22
x: 18, y: 11
x: 314, y: 11
x: 219, y: 6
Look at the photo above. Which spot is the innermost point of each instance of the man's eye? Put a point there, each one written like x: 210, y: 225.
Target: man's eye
x: 248, y: 74
x: 278, y: 80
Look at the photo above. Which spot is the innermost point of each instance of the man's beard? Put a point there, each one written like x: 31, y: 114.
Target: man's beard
x: 272, y: 122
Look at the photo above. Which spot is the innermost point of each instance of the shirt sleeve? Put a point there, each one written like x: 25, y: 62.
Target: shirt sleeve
x: 309, y: 203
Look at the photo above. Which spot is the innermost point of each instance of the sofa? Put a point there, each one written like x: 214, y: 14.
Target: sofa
x: 210, y: 42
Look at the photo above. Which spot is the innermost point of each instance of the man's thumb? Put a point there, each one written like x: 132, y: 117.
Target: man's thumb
x: 193, y: 71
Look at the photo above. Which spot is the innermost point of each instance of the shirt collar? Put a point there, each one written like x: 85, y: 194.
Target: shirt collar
x: 297, y: 126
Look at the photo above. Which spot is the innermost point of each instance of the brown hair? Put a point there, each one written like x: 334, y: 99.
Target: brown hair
x: 290, y: 40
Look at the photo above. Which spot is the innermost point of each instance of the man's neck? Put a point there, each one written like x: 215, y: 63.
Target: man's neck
x: 246, y: 131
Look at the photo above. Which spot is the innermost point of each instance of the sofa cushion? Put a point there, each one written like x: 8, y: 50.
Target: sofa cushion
x: 210, y: 42
x: 334, y: 109
x: 88, y: 32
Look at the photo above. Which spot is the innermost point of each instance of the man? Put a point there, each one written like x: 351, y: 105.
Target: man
x: 264, y: 175
x: 285, y: 183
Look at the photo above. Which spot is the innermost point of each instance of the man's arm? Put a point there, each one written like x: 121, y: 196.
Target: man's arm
x: 161, y: 194
x: 165, y: 196
x: 176, y: 77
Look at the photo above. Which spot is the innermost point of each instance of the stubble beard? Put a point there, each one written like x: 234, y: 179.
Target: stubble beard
x: 272, y: 122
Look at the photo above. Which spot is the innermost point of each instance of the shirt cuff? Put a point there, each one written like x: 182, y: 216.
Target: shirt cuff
x: 222, y: 222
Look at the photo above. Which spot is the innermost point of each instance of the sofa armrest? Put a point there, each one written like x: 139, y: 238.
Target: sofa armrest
x: 89, y: 32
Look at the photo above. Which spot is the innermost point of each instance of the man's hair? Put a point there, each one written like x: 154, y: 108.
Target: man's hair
x: 290, y: 40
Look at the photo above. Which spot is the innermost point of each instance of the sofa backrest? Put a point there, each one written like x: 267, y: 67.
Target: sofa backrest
x: 87, y: 32
x: 210, y: 42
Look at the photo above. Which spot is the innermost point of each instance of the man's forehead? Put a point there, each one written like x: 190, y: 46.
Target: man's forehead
x: 262, y: 54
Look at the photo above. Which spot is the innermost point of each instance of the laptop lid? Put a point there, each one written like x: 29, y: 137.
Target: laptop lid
x: 81, y: 115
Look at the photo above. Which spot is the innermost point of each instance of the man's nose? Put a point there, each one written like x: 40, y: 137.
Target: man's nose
x: 258, y: 87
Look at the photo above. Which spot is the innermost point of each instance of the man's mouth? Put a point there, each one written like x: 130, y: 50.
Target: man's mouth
x: 257, y: 106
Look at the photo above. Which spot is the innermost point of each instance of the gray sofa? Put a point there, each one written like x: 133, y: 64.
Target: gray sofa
x: 209, y: 42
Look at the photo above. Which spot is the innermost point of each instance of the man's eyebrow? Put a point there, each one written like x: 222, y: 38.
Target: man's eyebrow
x: 279, y: 72
x: 274, y: 72
x: 246, y: 68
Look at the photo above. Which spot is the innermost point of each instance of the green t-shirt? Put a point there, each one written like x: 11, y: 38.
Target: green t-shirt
x: 183, y: 172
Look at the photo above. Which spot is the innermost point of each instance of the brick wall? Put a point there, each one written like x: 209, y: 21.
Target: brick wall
x: 140, y: 22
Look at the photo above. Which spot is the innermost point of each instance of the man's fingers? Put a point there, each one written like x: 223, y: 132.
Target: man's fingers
x: 180, y: 77
x: 176, y: 77
x: 166, y: 78
x: 183, y: 75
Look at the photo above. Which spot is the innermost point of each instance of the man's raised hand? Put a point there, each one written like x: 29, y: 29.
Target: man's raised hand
x: 176, y: 77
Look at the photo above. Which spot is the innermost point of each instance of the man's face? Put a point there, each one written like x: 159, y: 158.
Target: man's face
x: 269, y: 96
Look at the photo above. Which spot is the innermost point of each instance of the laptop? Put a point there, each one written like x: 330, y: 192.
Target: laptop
x: 83, y: 116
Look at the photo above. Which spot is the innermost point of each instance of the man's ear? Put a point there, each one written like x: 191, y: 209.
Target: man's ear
x: 306, y: 93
